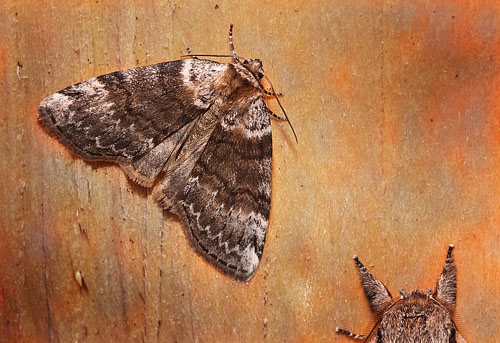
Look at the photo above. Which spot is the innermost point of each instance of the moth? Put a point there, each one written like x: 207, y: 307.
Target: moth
x: 196, y: 129
x: 414, y: 317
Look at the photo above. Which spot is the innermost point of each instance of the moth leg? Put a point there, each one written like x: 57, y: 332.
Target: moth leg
x: 350, y: 334
x: 266, y: 92
x: 277, y: 116
x: 190, y: 53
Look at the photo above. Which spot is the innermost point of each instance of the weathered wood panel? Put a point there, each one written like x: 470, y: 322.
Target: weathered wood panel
x: 396, y: 107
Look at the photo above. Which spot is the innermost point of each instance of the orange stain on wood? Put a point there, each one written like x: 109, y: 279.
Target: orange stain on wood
x: 414, y: 88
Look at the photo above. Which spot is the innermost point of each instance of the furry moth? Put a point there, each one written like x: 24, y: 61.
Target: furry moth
x: 199, y: 129
x: 414, y: 317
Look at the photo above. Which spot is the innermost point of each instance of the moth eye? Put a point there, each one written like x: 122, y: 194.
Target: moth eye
x: 260, y: 75
x: 245, y: 62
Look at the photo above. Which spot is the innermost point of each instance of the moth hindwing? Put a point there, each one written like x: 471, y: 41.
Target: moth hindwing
x: 414, y: 317
x: 199, y: 127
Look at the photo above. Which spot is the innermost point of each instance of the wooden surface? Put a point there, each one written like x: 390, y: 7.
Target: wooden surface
x: 396, y: 106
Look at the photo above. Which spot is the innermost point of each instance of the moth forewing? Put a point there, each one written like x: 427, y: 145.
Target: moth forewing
x: 201, y: 128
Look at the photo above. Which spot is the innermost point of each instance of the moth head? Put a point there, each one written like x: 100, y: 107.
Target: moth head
x: 417, y: 296
x: 424, y: 314
x: 255, y: 67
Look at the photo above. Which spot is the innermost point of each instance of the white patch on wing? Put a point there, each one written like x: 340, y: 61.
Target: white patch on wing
x: 150, y: 143
x: 254, y: 123
x: 254, y: 224
x: 192, y: 182
x: 186, y: 72
x: 265, y: 165
x: 196, y: 73
x: 128, y: 75
x: 249, y: 259
x: 258, y: 133
x: 198, y: 76
x: 97, y: 141
x: 265, y: 169
x: 230, y: 120
x: 93, y: 93
x: 57, y: 101
x: 192, y: 212
x: 92, y: 87
x: 256, y: 120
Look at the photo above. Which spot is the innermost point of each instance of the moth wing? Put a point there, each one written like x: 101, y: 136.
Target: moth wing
x: 136, y: 117
x: 221, y: 190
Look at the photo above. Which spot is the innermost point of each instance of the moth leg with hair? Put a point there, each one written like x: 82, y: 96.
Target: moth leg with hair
x: 199, y: 127
x: 414, y: 317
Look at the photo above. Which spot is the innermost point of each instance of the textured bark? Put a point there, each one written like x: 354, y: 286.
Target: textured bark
x: 396, y: 109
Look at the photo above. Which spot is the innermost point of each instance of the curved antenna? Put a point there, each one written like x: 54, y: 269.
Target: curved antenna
x: 282, y: 109
x: 236, y: 59
x: 206, y: 55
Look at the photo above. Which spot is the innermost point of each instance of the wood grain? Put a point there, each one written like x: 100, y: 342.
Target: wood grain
x: 396, y: 108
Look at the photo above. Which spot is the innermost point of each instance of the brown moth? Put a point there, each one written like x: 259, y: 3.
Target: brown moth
x: 414, y: 317
x: 198, y: 131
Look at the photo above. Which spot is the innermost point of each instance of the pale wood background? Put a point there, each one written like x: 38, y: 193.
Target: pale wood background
x: 396, y: 106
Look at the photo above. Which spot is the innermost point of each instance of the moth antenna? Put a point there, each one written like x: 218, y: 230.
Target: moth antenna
x: 378, y: 295
x: 274, y: 115
x: 266, y: 92
x: 190, y: 53
x: 206, y: 55
x: 282, y: 109
x: 236, y: 59
x: 231, y: 45
x: 446, y: 286
x: 350, y: 334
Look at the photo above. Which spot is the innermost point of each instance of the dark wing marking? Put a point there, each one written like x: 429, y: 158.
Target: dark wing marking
x: 135, y: 117
x: 224, y: 201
